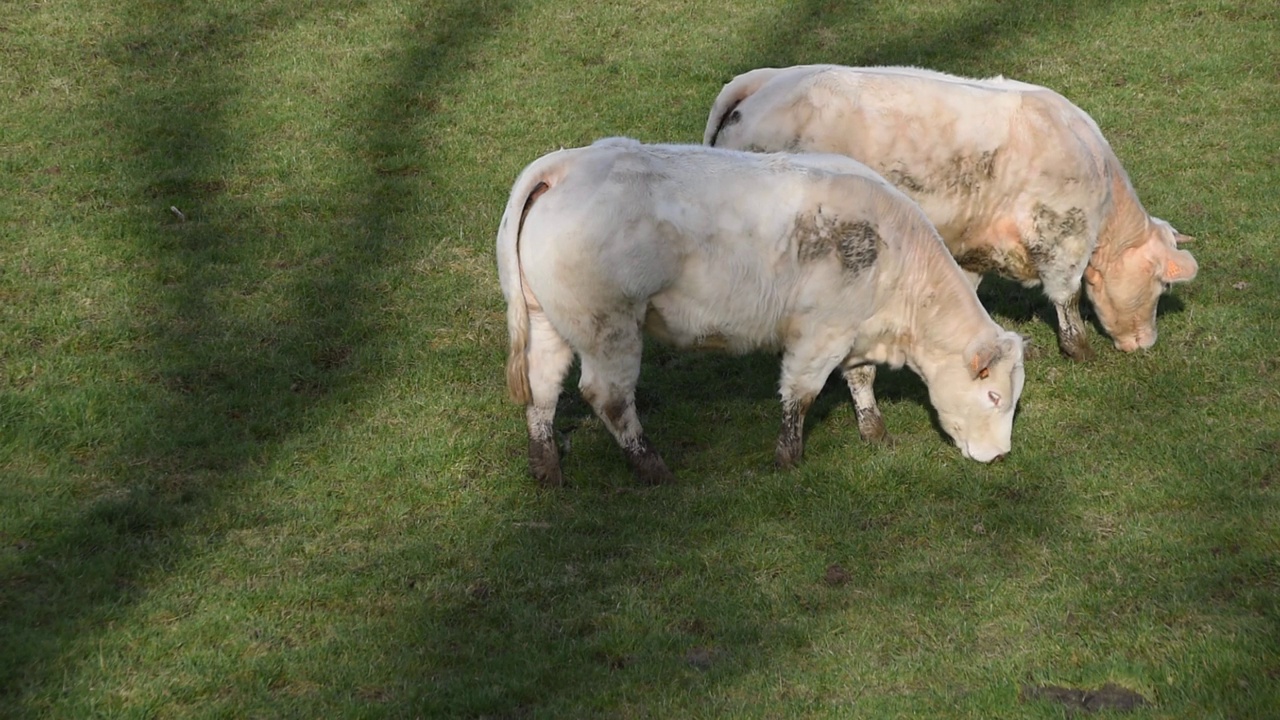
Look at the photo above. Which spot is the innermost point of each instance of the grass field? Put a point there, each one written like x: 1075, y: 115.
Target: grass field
x: 256, y: 458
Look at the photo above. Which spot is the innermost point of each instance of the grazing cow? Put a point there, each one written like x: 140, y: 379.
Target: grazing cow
x: 1017, y: 180
x: 814, y: 255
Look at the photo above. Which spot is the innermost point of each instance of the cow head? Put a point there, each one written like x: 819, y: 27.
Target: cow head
x: 1125, y: 288
x: 975, y: 394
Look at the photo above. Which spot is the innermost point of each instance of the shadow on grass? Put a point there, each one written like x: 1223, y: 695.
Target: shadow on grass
x: 597, y: 603
x: 564, y: 609
x: 557, y: 608
x: 608, y: 599
x: 227, y: 376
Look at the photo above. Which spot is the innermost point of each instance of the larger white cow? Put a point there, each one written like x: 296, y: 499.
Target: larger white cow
x: 814, y: 255
x: 1017, y: 179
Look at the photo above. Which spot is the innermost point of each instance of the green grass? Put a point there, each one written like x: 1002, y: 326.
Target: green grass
x: 257, y: 460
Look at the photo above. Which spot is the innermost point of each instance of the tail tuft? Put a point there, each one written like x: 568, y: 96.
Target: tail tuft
x: 517, y: 355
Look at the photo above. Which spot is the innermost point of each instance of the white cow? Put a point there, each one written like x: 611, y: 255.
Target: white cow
x: 814, y: 255
x: 1017, y: 180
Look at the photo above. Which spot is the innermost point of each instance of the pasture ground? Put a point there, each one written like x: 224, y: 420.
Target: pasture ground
x: 257, y: 459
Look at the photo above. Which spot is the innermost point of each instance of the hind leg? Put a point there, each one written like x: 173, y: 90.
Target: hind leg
x: 549, y: 360
x: 860, y: 379
x: 609, y: 374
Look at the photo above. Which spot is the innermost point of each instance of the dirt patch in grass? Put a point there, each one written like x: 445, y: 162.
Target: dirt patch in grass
x: 1107, y: 697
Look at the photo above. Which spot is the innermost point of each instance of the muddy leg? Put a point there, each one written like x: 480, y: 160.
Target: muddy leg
x: 870, y: 422
x: 791, y: 437
x: 805, y: 369
x: 609, y: 385
x: 549, y: 360
x: 1072, y: 339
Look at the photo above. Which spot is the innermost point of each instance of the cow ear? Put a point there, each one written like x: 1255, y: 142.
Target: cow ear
x: 982, y: 354
x: 1178, y: 266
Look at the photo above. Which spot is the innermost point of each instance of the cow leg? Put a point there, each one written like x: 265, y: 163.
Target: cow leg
x: 791, y: 438
x: 609, y: 384
x: 974, y: 278
x: 860, y: 379
x: 1055, y: 243
x: 1072, y: 339
x: 805, y: 370
x: 549, y: 360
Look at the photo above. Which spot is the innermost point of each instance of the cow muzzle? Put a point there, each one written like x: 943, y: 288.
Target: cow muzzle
x: 983, y: 455
x: 1140, y: 340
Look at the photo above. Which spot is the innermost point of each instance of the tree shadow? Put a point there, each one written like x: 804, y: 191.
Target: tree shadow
x: 811, y: 34
x: 538, y: 619
x: 227, y: 374
x: 535, y: 611
x: 532, y: 621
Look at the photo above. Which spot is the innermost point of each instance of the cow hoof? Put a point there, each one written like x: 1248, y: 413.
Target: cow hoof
x: 647, y: 465
x: 650, y: 470
x: 874, y: 432
x: 655, y: 476
x: 1080, y: 353
x: 551, y: 480
x: 544, y: 464
x: 786, y: 458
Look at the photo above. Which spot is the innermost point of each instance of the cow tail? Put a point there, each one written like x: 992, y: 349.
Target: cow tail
x: 534, y: 181
x: 734, y: 92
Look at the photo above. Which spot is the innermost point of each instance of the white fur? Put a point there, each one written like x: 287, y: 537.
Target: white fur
x: 699, y: 245
x: 920, y: 129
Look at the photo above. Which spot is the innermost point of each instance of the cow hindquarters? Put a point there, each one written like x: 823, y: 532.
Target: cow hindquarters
x: 548, y: 360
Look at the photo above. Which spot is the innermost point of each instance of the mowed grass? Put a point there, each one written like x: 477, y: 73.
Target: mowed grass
x: 258, y: 460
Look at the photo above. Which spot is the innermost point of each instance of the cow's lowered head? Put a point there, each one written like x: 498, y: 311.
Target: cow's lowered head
x: 975, y: 394
x: 1127, y: 287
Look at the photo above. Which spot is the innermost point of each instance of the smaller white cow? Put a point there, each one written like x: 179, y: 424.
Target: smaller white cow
x: 814, y: 255
x: 1017, y: 180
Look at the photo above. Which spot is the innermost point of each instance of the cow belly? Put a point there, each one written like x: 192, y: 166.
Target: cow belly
x: 1012, y: 262
x: 724, y: 325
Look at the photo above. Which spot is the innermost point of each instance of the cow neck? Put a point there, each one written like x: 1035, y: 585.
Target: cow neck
x: 1126, y: 222
x: 930, y: 305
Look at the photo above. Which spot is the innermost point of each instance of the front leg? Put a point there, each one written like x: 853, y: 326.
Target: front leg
x: 861, y: 378
x: 806, y: 365
x: 791, y: 437
x: 1072, y: 339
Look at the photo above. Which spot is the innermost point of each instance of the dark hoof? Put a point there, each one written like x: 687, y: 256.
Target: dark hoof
x: 786, y: 458
x: 544, y: 464
x: 647, y: 465
x: 658, y: 475
x: 552, y: 480
x: 873, y: 431
x: 1079, y: 353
